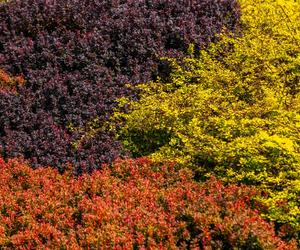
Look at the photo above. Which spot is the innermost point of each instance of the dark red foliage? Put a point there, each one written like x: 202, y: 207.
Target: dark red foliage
x: 76, y: 57
x: 135, y: 204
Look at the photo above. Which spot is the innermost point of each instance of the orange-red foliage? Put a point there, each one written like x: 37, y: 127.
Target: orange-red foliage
x: 4, y: 77
x: 134, y: 204
x: 8, y: 83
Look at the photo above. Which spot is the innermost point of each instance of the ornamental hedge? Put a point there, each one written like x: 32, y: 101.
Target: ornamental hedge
x: 76, y: 58
x: 134, y: 204
x: 233, y: 111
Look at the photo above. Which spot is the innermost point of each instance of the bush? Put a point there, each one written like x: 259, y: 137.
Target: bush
x: 133, y: 204
x: 234, y: 110
x: 76, y: 57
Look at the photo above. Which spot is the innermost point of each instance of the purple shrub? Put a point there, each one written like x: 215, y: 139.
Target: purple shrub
x: 76, y: 57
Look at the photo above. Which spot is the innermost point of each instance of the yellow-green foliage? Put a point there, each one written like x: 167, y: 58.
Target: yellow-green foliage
x: 91, y: 129
x: 234, y: 111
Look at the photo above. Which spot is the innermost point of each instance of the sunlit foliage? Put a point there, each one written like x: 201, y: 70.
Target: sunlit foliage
x: 234, y: 110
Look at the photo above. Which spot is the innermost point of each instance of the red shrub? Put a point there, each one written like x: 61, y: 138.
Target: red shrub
x: 137, y: 204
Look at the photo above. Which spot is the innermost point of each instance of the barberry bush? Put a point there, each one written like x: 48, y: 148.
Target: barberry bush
x: 77, y: 56
x: 234, y: 110
x: 133, y: 204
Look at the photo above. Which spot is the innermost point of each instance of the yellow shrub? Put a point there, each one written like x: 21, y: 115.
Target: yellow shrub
x: 234, y: 111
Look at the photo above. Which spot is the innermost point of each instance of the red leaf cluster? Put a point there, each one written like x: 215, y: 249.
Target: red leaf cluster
x: 9, y: 83
x: 134, y: 204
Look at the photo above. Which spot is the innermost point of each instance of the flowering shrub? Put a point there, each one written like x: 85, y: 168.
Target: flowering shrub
x: 132, y: 204
x: 234, y: 111
x: 76, y: 57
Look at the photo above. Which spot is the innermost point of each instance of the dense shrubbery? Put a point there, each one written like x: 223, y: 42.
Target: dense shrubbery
x: 76, y: 57
x: 230, y: 109
x: 131, y: 205
x: 234, y: 111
